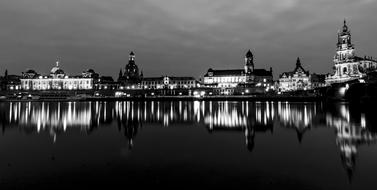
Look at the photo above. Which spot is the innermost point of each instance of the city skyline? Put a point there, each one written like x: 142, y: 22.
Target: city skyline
x: 180, y: 41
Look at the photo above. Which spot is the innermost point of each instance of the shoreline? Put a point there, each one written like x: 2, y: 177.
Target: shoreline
x: 177, y: 98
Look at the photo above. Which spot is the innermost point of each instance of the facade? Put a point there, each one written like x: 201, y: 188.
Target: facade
x: 12, y: 82
x: 298, y: 79
x: 317, y: 80
x: 228, y: 79
x: 90, y: 74
x: 348, y: 66
x: 106, y: 83
x: 57, y: 80
x: 168, y: 82
x: 130, y: 75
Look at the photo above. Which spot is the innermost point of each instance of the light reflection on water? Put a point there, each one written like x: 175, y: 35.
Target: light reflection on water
x: 353, y: 128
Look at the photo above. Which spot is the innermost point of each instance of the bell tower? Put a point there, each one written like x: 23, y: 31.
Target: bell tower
x: 249, y: 62
x: 345, y: 49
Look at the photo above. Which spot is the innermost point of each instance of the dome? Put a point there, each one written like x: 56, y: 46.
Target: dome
x: 249, y: 54
x: 90, y: 71
x: 131, y: 66
x: 56, y: 70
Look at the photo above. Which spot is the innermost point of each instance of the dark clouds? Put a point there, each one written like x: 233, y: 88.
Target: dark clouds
x: 179, y: 37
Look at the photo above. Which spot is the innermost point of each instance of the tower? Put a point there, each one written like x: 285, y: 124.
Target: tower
x: 249, y: 62
x: 345, y: 50
x: 346, y: 64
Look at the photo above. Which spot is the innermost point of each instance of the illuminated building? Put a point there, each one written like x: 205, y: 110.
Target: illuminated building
x: 57, y: 80
x: 348, y: 66
x: 168, y: 82
x: 106, y: 83
x: 12, y: 82
x: 90, y: 74
x: 130, y: 75
x: 298, y: 79
x: 228, y: 79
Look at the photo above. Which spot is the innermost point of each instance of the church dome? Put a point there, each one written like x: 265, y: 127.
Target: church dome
x: 57, y: 70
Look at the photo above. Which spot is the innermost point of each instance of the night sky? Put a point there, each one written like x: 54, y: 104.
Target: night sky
x: 179, y: 37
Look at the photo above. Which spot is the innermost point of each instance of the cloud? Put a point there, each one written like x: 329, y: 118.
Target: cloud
x: 177, y: 37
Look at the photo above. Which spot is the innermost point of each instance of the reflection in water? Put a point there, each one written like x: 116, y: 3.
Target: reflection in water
x: 351, y: 132
x: 352, y: 126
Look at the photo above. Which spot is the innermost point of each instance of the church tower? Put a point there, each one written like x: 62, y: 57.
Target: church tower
x: 347, y: 66
x: 345, y: 51
x: 249, y: 62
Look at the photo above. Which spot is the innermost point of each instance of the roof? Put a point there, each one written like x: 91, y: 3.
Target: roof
x: 106, y: 79
x: 233, y: 72
x: 262, y: 72
x: 30, y: 71
x: 298, y: 68
x: 365, y: 58
x: 170, y: 77
x: 226, y: 72
x: 152, y: 78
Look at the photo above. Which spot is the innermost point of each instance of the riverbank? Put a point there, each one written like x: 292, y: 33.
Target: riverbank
x: 176, y: 98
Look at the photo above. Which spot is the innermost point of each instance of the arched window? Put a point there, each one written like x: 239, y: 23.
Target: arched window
x: 344, y: 70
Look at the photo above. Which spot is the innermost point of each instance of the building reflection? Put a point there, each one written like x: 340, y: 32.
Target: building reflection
x: 352, y: 130
x: 299, y: 116
x: 353, y: 126
x: 245, y: 117
x: 54, y: 117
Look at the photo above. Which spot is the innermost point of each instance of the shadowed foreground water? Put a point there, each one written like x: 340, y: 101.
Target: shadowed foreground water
x: 187, y: 144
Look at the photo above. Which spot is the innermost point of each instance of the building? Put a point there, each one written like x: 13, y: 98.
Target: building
x: 227, y: 80
x: 298, y: 79
x: 130, y: 75
x: 348, y: 66
x: 90, y: 74
x: 12, y: 82
x: 106, y: 83
x: 317, y: 80
x: 57, y: 80
x: 168, y: 82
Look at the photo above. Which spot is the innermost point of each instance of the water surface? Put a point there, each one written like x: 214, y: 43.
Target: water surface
x: 187, y: 144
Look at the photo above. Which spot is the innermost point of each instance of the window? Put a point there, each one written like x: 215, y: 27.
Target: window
x: 344, y: 70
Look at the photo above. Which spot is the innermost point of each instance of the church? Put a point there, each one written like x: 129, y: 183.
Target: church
x: 229, y: 79
x: 130, y: 75
x: 348, y: 66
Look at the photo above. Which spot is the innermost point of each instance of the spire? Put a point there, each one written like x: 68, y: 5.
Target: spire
x: 57, y: 63
x: 298, y: 62
x: 345, y: 27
